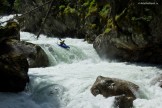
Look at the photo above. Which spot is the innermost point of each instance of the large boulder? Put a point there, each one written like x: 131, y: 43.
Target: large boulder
x: 35, y: 55
x: 10, y: 31
x: 13, y: 63
x: 113, y: 87
x: 111, y: 47
x: 124, y: 91
x: 14, y: 69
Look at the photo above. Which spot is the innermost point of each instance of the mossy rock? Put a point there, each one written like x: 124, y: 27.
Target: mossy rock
x: 10, y: 31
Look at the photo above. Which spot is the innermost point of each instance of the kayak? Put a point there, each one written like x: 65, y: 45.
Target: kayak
x: 64, y: 46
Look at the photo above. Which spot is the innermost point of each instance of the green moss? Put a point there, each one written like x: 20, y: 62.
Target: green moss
x: 104, y: 12
x: 121, y: 15
x: 69, y: 10
x: 144, y: 18
x: 62, y: 7
x: 93, y: 8
x: 13, y: 25
x: 91, y: 26
x: 92, y: 3
x: 86, y: 4
x: 110, y: 23
x: 107, y: 30
x: 12, y: 28
x: 109, y: 26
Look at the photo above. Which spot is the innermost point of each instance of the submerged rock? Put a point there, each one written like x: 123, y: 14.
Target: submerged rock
x: 124, y: 91
x: 123, y: 101
x: 113, y: 87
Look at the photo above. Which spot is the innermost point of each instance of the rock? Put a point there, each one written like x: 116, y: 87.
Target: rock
x: 10, y: 31
x: 13, y: 59
x: 35, y: 55
x: 123, y: 102
x: 137, y: 38
x: 14, y: 68
x: 13, y: 64
x: 113, y: 87
x: 111, y: 47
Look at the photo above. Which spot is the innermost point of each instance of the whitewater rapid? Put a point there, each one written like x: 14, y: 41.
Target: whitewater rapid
x: 67, y: 81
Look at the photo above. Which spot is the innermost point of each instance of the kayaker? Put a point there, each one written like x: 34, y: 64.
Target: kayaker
x: 62, y: 42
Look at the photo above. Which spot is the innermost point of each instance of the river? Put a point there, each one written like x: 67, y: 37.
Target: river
x: 67, y: 81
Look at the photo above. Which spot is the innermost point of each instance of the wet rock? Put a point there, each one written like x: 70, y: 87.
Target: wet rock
x: 113, y: 87
x: 123, y: 102
x: 10, y: 31
x: 13, y: 64
x: 14, y: 69
x: 111, y: 47
x: 35, y: 55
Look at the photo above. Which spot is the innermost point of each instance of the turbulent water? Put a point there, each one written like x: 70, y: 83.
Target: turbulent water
x: 67, y: 81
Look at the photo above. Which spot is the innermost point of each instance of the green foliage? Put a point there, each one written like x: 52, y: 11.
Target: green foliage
x: 105, y: 10
x: 69, y: 10
x: 93, y: 8
x: 86, y: 4
x: 17, y: 4
x: 61, y: 7
x: 109, y: 26
x: 107, y: 30
x: 91, y: 26
x: 144, y: 18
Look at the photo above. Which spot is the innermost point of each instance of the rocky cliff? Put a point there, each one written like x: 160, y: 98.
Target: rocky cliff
x: 136, y: 34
